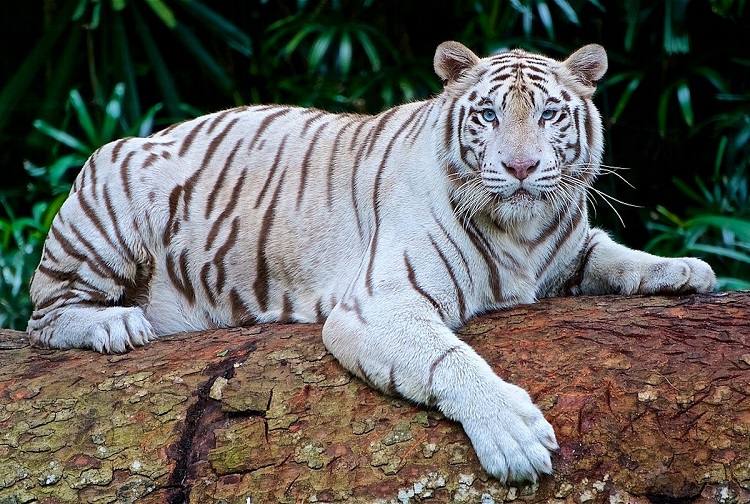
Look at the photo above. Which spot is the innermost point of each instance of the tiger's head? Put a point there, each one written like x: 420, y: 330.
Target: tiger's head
x: 522, y: 134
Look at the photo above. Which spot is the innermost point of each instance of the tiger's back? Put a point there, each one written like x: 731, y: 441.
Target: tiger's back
x: 394, y: 229
x: 252, y: 225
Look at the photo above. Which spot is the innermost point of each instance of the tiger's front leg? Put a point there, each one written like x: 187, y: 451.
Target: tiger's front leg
x: 399, y: 344
x: 611, y: 268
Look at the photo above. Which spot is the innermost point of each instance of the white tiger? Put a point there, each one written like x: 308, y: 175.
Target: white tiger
x: 394, y: 229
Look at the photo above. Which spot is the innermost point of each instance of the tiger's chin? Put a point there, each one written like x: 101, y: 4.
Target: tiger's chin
x: 520, y: 206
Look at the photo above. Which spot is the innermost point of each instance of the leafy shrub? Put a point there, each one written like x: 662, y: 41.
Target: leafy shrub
x: 22, y: 237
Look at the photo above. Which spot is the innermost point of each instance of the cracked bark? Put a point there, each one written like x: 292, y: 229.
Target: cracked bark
x: 649, y: 396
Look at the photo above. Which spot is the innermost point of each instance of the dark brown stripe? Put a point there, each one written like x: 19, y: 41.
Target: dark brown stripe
x: 494, y: 274
x: 167, y: 130
x: 391, y: 388
x: 423, y: 114
x: 265, y: 123
x: 354, y: 307
x: 94, y: 218
x: 377, y: 130
x: 179, y: 278
x: 119, y: 144
x: 241, y: 314
x: 376, y: 199
x: 286, y: 309
x: 308, y: 122
x: 220, y: 180
x: 173, y: 224
x: 436, y: 363
x: 150, y: 160
x: 272, y: 172
x: 215, y: 142
x: 125, y: 174
x: 332, y: 162
x: 101, y: 267
x: 207, y: 288
x: 319, y: 317
x: 459, y: 291
x: 92, y: 167
x: 262, y: 282
x: 306, y: 163
x: 458, y: 250
x: 221, y: 254
x: 360, y: 371
x: 220, y: 117
x: 228, y: 209
x: 573, y: 220
x: 190, y: 137
x: 415, y: 285
x: 188, y: 190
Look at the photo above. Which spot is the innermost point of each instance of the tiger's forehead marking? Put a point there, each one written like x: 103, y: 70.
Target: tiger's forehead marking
x: 515, y: 74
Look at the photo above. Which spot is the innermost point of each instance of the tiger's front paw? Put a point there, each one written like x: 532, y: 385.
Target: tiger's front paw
x: 677, y: 276
x: 510, y: 435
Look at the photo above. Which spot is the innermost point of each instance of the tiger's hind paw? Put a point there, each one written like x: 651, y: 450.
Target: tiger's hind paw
x: 121, y: 331
x: 106, y: 330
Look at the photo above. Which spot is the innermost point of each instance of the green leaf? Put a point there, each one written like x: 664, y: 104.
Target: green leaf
x: 625, y: 96
x: 546, y: 18
x: 145, y: 125
x: 632, y: 20
x: 688, y: 191
x: 663, y: 109
x: 730, y: 283
x: 63, y: 137
x: 319, y: 49
x: 112, y: 114
x: 236, y: 38
x: 125, y: 62
x: 291, y: 46
x: 739, y: 227
x: 676, y: 38
x: 22, y: 79
x: 686, y: 105
x: 720, y: 251
x: 714, y: 77
x: 163, y: 76
x: 344, y: 59
x: 216, y: 71
x: 569, y: 12
x: 84, y: 118
x: 370, y: 50
x: 57, y: 170
x: 163, y: 12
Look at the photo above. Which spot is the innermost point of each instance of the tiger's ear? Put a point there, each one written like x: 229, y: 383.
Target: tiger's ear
x: 452, y: 59
x: 588, y: 64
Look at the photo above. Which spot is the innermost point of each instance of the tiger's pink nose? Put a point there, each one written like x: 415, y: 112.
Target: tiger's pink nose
x: 520, y: 168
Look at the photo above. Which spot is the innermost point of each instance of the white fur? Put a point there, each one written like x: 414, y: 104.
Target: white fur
x: 395, y: 228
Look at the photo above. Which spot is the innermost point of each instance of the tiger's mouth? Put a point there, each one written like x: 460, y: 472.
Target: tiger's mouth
x: 521, y: 195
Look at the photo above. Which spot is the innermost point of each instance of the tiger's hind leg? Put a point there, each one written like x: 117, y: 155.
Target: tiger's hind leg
x: 93, y: 279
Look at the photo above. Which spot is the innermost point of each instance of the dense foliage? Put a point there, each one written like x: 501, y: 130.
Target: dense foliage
x: 676, y: 99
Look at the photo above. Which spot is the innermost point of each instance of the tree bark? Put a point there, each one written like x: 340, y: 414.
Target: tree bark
x: 649, y: 396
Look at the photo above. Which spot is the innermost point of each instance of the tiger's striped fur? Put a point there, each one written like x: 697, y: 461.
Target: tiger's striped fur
x: 394, y: 229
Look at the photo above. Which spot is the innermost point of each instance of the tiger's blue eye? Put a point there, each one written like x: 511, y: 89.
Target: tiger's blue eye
x: 488, y: 115
x: 548, y: 114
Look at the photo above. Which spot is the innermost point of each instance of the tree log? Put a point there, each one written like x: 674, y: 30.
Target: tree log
x: 649, y: 396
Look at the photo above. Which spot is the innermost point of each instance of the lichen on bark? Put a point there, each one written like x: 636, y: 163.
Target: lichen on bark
x: 648, y: 396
